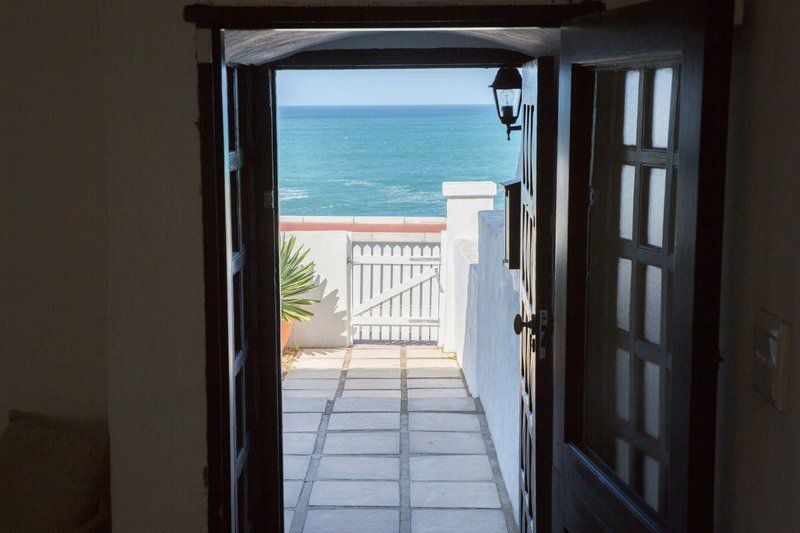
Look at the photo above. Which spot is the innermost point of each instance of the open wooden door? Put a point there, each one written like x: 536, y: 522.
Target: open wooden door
x: 537, y: 197
x: 241, y: 240
x: 641, y: 169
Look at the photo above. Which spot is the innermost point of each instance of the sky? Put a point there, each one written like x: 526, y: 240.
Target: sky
x: 385, y: 87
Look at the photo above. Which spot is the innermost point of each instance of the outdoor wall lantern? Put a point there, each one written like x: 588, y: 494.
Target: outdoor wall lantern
x: 507, y: 88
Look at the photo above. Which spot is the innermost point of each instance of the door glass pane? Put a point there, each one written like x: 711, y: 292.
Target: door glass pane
x: 626, y: 188
x: 652, y: 304
x: 622, y: 459
x: 651, y: 399
x: 631, y: 111
x: 623, y: 384
x: 662, y: 97
x: 650, y: 481
x: 624, y: 294
x: 625, y: 374
x: 656, y: 184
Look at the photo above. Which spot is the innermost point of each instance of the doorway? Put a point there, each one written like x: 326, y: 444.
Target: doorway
x: 401, y: 439
x: 245, y: 489
x: 235, y: 501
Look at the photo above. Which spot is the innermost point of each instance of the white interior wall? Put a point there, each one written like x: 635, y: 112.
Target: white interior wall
x: 758, y: 458
x: 53, y: 212
x: 147, y: 233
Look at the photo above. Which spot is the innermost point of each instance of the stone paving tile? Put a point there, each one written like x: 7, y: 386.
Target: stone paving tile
x: 288, y: 515
x: 433, y: 373
x: 437, y: 393
x: 460, y: 520
x: 350, y: 393
x: 372, y: 384
x: 388, y: 373
x: 306, y: 373
x: 328, y: 394
x: 451, y: 468
x: 318, y: 364
x: 322, y: 353
x: 289, y: 384
x: 364, y: 468
x: 291, y: 493
x: 381, y: 352
x: 363, y: 421
x: 435, y: 383
x: 351, y: 520
x: 432, y: 363
x: 471, y: 495
x: 441, y: 404
x: 374, y: 363
x: 443, y: 465
x: 304, y: 405
x: 366, y: 405
x: 355, y: 493
x: 296, y: 422
x: 299, y: 443
x: 425, y: 352
x: 295, y: 466
x: 443, y: 422
x: 362, y: 443
x: 446, y: 442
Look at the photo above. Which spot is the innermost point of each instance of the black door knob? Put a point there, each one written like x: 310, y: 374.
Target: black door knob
x: 519, y: 324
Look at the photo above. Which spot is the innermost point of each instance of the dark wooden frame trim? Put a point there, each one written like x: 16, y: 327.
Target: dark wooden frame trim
x: 403, y: 58
x: 213, y: 152
x: 434, y: 16
x: 545, y: 225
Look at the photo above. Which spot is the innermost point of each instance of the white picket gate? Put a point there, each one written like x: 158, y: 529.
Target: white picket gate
x: 396, y: 292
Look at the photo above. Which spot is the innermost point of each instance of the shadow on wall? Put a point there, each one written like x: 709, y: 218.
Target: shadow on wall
x: 328, y: 326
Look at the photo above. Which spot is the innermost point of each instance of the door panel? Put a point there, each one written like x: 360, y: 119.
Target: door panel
x: 240, y: 285
x: 536, y: 239
x: 245, y: 473
x: 642, y: 122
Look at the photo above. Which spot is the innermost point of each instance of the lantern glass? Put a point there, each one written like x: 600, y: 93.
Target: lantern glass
x: 508, y: 101
x: 507, y: 88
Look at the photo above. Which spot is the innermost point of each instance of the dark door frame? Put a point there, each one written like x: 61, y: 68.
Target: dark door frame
x: 211, y: 125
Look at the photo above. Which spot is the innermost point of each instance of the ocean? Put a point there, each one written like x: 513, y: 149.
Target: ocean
x: 387, y: 160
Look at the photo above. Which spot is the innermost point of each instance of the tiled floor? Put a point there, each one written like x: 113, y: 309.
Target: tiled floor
x: 393, y: 443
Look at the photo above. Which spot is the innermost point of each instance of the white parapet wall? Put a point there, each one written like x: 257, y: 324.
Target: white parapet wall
x: 334, y: 243
x: 465, y: 199
x: 330, y: 325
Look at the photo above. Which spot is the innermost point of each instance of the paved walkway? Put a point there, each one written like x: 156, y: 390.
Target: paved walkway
x: 387, y: 439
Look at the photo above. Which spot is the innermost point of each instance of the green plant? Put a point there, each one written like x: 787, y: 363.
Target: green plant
x: 297, y: 279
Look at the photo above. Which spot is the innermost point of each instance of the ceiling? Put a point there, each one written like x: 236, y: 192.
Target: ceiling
x: 265, y: 46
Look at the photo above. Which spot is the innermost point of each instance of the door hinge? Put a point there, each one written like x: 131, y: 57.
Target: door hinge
x: 269, y: 200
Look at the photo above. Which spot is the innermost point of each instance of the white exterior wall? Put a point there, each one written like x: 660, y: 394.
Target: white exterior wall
x: 463, y: 259
x: 496, y: 359
x: 482, y: 300
x: 464, y: 201
x: 330, y: 325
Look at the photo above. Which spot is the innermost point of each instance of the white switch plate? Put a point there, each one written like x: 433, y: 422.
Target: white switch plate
x: 770, y: 354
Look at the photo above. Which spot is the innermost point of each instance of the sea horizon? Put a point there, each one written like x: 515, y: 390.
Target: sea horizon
x: 386, y: 160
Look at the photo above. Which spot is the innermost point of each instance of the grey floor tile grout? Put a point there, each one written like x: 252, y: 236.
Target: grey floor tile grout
x: 405, y: 466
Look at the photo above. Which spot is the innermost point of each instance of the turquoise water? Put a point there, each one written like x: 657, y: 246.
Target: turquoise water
x: 386, y: 160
